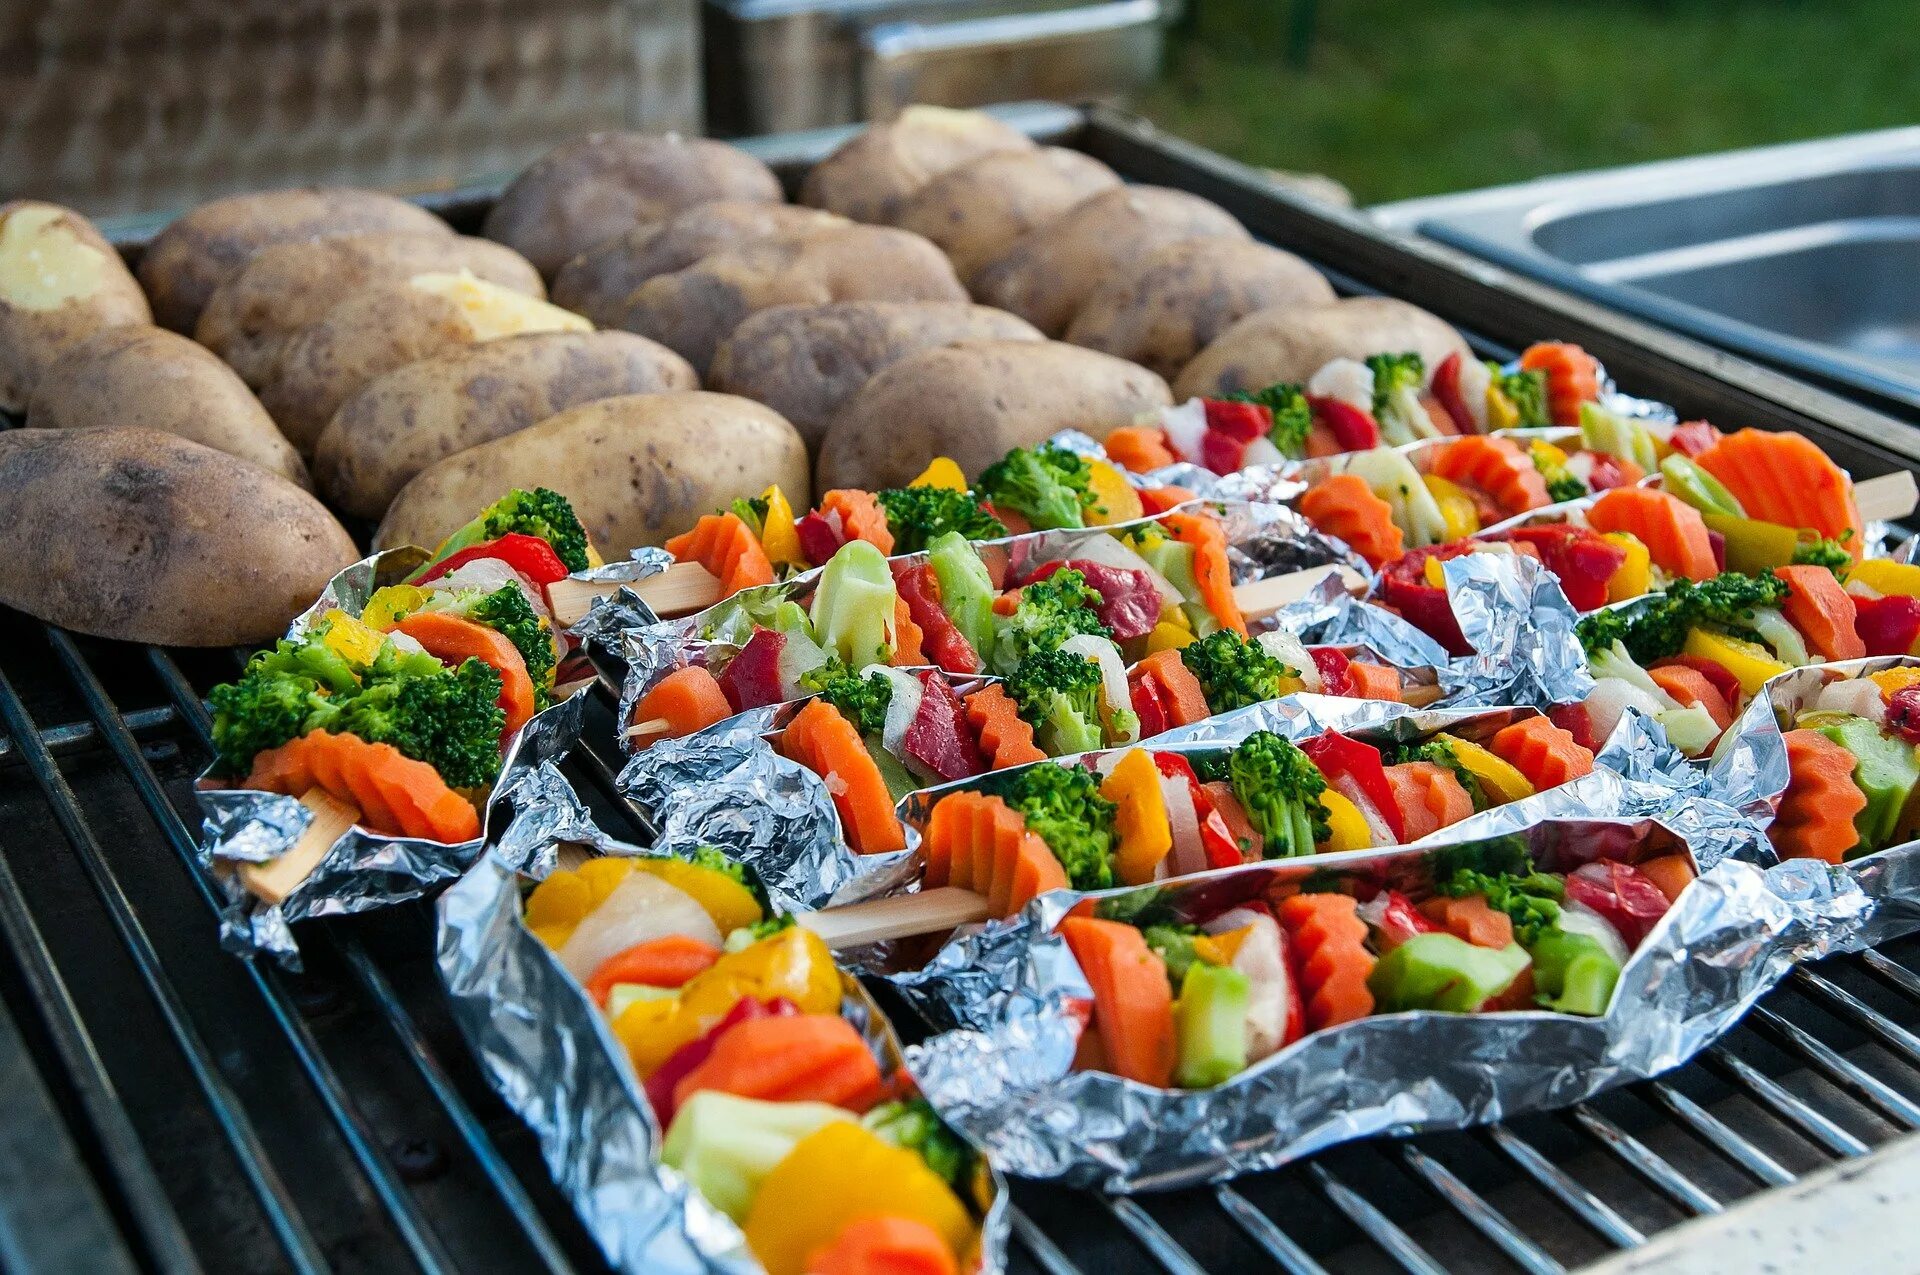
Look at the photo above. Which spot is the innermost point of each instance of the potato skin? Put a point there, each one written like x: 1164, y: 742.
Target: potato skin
x: 286, y: 287
x: 804, y: 361
x: 1048, y: 273
x: 35, y: 336
x: 871, y: 175
x: 195, y: 254
x: 589, y: 189
x: 693, y: 310
x: 976, y: 211
x: 146, y: 537
x: 638, y: 469
x: 1180, y: 297
x: 598, y: 281
x: 1290, y: 344
x: 400, y: 423
x: 975, y: 402
x: 150, y: 378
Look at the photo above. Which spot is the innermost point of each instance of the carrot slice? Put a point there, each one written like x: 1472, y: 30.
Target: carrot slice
x: 1344, y: 506
x: 688, y: 700
x: 1547, y: 755
x: 834, y: 750
x: 1132, y: 999
x: 412, y: 798
x: 1470, y: 918
x: 1573, y: 377
x: 1005, y: 737
x: 1138, y: 448
x: 1784, y: 478
x: 1495, y: 466
x: 1186, y: 701
x: 1670, y: 873
x: 452, y: 639
x: 1374, y: 681
x: 884, y: 1244
x: 1210, y: 569
x: 661, y: 962
x: 907, y: 636
x: 1429, y: 797
x: 861, y: 517
x: 1155, y: 501
x: 1689, y: 686
x: 1822, y: 611
x: 1672, y: 530
x: 791, y: 1058
x: 726, y: 546
x: 980, y: 843
x: 1331, y: 941
x: 1815, y: 818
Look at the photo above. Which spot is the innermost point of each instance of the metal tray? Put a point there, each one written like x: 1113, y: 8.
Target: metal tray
x: 173, y: 1109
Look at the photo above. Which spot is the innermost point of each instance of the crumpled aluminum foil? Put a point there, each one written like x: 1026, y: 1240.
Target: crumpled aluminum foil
x: 1005, y: 998
x: 363, y: 870
x: 551, y: 1055
x: 623, y: 609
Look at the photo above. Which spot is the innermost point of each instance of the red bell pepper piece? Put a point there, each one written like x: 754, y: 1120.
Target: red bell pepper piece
x: 1889, y: 625
x: 1353, y: 429
x: 1722, y: 678
x: 1717, y: 541
x: 1222, y: 454
x: 1296, y: 1024
x: 820, y: 536
x: 1242, y: 422
x: 1621, y: 893
x: 1607, y: 473
x: 1404, y: 587
x: 682, y: 1061
x: 1129, y: 602
x: 531, y: 556
x: 1149, y: 705
x: 1394, y: 919
x: 943, y: 643
x: 1903, y: 713
x: 1354, y: 767
x: 1215, y: 837
x: 1581, y: 558
x: 1446, y: 388
x: 1692, y: 438
x: 1577, y: 722
x: 939, y: 736
x: 752, y: 678
x: 1333, y: 665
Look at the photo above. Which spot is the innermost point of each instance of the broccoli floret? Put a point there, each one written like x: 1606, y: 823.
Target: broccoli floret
x: 1060, y: 695
x: 1440, y: 753
x: 1527, y: 391
x: 1831, y: 554
x: 506, y: 611
x: 1064, y: 806
x: 540, y: 512
x: 916, y: 515
x: 1393, y: 372
x: 267, y: 707
x: 1234, y: 671
x: 1048, y: 486
x: 1564, y: 486
x: 1050, y: 611
x: 1532, y: 900
x: 752, y: 511
x: 1280, y: 788
x: 714, y: 860
x: 1292, y: 417
x: 1599, y: 630
x: 1660, y: 628
x: 1174, y: 944
x: 449, y: 718
x: 913, y: 1125
x: 861, y: 700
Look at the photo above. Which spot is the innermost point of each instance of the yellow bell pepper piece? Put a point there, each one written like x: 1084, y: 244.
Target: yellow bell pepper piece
x: 1115, y: 500
x: 1220, y: 949
x: 730, y: 904
x: 1501, y: 413
x: 1458, y: 514
x: 794, y: 964
x: 1545, y: 455
x: 1142, y: 834
x: 836, y: 1175
x: 1634, y: 576
x: 563, y: 900
x: 941, y: 472
x: 1889, y: 579
x: 349, y: 638
x: 1749, y: 662
x: 1497, y: 779
x: 552, y: 935
x: 1893, y: 679
x: 777, y: 535
x: 1168, y: 637
x: 1346, y: 826
x: 388, y: 606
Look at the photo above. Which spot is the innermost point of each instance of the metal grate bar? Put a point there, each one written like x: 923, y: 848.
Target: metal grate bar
x: 1891, y: 1034
x: 1893, y: 973
x: 75, y: 736
x: 1377, y: 1226
x: 1484, y: 1217
x: 1262, y: 1230
x: 1715, y: 1133
x: 1596, y: 1213
x: 1771, y: 1094
x: 1151, y: 1236
x: 236, y: 1129
x: 1843, y: 1073
x: 1635, y: 1155
x: 1040, y: 1245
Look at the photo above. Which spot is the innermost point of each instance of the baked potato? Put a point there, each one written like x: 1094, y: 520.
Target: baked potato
x: 1176, y: 300
x: 599, y: 280
x: 976, y: 211
x: 804, y: 361
x: 285, y: 287
x: 399, y: 423
x: 1047, y: 274
x: 638, y: 469
x: 60, y: 282
x: 693, y: 310
x: 1286, y: 343
x: 383, y: 328
x: 871, y: 175
x: 975, y: 402
x: 587, y: 190
x: 195, y: 254
x: 143, y: 377
x: 145, y: 536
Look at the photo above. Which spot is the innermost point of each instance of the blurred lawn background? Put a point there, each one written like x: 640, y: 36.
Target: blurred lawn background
x: 1414, y: 97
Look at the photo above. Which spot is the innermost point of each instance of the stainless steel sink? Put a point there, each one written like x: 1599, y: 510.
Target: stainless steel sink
x: 1806, y: 256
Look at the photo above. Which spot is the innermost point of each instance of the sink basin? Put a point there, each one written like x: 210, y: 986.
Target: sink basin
x: 1806, y: 256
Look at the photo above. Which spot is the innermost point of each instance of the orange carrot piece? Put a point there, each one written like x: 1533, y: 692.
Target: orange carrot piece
x: 980, y: 843
x: 1672, y: 530
x: 1344, y: 506
x: 1670, y: 873
x: 1155, y: 501
x: 1573, y: 377
x: 861, y: 517
x: 1495, y: 466
x: 688, y: 700
x: 1005, y: 737
x: 1784, y: 478
x: 416, y: 801
x: 907, y: 636
x: 1374, y: 681
x: 1470, y: 918
x: 1815, y: 817
x: 1547, y: 755
x: 835, y: 752
x: 1822, y: 611
x: 1035, y: 871
x: 1689, y: 686
x: 1331, y: 941
x: 1132, y: 999
x: 1138, y: 448
x: 883, y: 1244
x: 452, y: 639
x: 661, y: 962
x: 1210, y: 569
x: 793, y: 1058
x: 1429, y: 797
x: 726, y: 546
x: 1186, y: 701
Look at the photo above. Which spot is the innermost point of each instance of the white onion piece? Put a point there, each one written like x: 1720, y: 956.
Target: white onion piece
x: 1609, y: 701
x: 405, y: 642
x: 1290, y: 651
x: 640, y: 909
x: 1261, y: 451
x: 799, y: 655
x: 1777, y: 633
x: 1109, y: 552
x: 1475, y: 381
x: 1347, y: 380
x: 1185, y: 426
x: 1857, y: 696
x: 1187, y: 855
x: 1378, y: 830
x: 1578, y: 918
x: 908, y: 691
x: 490, y: 575
x: 1259, y: 958
x: 1113, y: 673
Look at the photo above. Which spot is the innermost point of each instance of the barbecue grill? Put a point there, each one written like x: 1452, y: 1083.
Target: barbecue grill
x: 171, y: 1108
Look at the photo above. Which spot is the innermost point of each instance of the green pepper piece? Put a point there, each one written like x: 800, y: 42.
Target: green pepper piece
x: 1754, y: 547
x: 1698, y: 488
x: 1885, y: 772
x: 1210, y: 1024
x: 1440, y: 971
x: 1573, y: 973
x: 853, y: 605
x: 966, y: 590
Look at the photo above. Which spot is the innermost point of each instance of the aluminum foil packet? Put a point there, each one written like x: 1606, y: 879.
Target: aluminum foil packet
x: 614, y: 613
x: 1008, y: 998
x: 550, y: 1054
x: 362, y: 870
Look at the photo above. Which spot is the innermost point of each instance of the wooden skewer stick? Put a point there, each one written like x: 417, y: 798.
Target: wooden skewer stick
x: 275, y: 879
x: 900, y: 916
x: 1887, y: 498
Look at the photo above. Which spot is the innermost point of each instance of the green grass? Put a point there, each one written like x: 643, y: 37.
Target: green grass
x: 1404, y: 98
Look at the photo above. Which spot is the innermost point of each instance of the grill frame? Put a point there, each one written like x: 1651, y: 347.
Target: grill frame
x: 194, y: 1112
